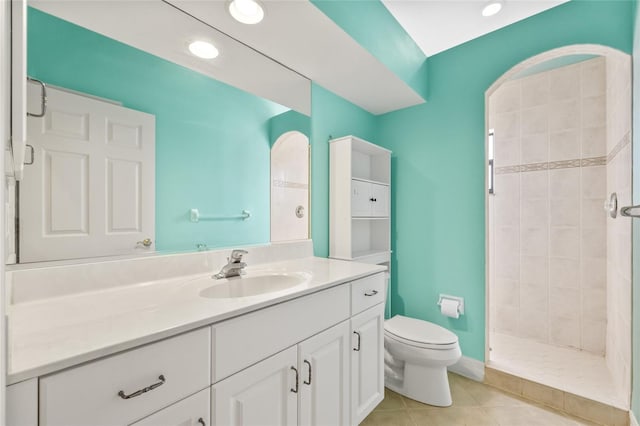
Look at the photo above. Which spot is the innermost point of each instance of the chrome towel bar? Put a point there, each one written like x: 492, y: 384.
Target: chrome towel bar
x: 196, y: 216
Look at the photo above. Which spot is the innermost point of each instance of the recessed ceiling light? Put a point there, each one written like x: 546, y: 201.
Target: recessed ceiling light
x: 246, y: 11
x: 203, y: 49
x: 492, y: 8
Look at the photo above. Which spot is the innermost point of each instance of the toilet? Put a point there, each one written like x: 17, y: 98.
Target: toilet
x: 417, y: 354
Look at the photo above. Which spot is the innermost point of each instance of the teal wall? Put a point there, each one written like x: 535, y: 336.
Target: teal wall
x: 287, y: 122
x: 370, y: 24
x: 635, y: 327
x: 333, y: 117
x: 438, y: 231
x: 212, y: 140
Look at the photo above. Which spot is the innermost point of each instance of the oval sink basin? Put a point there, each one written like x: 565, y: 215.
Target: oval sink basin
x: 253, y: 285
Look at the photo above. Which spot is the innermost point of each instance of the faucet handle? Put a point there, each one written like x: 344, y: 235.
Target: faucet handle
x: 236, y: 255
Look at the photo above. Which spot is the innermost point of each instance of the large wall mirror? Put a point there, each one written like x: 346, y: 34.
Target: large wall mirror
x: 145, y: 147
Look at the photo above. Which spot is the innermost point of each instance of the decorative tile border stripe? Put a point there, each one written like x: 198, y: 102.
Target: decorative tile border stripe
x: 626, y: 139
x: 553, y: 165
x: 286, y: 184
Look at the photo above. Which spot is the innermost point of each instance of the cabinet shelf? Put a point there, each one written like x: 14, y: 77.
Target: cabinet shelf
x: 360, y: 187
x: 377, y: 182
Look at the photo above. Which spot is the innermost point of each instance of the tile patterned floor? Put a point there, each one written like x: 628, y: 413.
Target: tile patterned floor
x: 474, y: 404
x: 570, y: 370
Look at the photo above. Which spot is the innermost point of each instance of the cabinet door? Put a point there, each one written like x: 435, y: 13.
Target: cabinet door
x: 360, y: 198
x: 192, y: 411
x: 367, y: 362
x: 323, y: 361
x: 380, y: 197
x: 264, y: 394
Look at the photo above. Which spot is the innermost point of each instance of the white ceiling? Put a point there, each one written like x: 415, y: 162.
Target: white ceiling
x: 299, y: 35
x: 438, y: 25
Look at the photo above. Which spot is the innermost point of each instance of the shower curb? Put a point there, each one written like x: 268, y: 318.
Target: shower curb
x: 557, y: 399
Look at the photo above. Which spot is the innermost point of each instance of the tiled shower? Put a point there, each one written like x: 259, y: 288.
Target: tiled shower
x: 559, y: 266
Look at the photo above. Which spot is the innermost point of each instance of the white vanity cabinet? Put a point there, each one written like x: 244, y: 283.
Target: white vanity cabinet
x: 367, y: 362
x: 311, y: 360
x: 123, y: 388
x: 306, y: 384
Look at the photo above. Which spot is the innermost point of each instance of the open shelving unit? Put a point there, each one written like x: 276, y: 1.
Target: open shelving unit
x: 359, y: 205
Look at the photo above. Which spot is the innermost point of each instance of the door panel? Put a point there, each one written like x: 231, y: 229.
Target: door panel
x: 260, y: 395
x: 323, y: 361
x: 91, y: 189
x: 360, y: 198
x: 192, y: 411
x: 367, y: 362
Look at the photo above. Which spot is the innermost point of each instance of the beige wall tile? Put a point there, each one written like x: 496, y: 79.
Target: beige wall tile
x: 535, y: 90
x: 564, y: 331
x: 594, y: 142
x: 565, y: 212
x: 564, y: 115
x: 535, y: 185
x: 534, y: 120
x: 543, y: 394
x: 587, y: 409
x: 534, y: 148
x: 564, y: 303
x: 564, y: 145
x: 503, y: 381
x: 564, y: 242
x: 564, y: 272
x: 594, y: 111
x: 564, y: 83
x: 564, y: 183
x: 593, y: 77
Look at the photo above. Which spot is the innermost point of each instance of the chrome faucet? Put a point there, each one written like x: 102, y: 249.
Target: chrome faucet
x: 234, y: 267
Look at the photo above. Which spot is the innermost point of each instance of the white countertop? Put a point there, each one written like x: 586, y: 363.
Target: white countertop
x: 51, y: 334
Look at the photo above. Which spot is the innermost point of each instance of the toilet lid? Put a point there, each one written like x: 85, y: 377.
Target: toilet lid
x: 419, y: 332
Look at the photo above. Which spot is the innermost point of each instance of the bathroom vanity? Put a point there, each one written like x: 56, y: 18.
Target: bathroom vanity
x: 164, y: 352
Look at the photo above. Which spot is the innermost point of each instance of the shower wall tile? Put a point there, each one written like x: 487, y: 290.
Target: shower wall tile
x: 564, y: 145
x: 534, y: 270
x: 594, y: 336
x: 564, y: 212
x: 534, y: 148
x: 564, y: 83
x: 534, y: 120
x: 535, y: 90
x: 594, y: 304
x: 593, y: 273
x: 534, y: 324
x: 594, y: 111
x: 564, y: 272
x: 593, y: 77
x: 507, y: 151
x: 507, y: 99
x: 534, y: 185
x: 594, y: 182
x: 534, y: 214
x: 564, y: 242
x: 564, y: 303
x: 594, y: 242
x: 564, y: 115
x: 534, y: 242
x: 564, y: 331
x: 594, y: 142
x: 564, y: 183
x: 549, y: 232
x: 592, y: 214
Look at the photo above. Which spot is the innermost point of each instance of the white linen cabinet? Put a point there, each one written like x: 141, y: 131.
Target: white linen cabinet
x: 360, y: 189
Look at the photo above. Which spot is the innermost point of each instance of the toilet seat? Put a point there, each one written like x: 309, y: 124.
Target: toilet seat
x: 419, y: 334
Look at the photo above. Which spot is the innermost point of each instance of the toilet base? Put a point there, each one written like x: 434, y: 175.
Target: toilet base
x: 437, y: 393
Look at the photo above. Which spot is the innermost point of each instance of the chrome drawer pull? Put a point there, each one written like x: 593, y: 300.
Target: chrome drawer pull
x: 201, y: 421
x: 123, y: 395
x: 295, y: 390
x: 358, y: 348
x: 372, y: 293
x: 304, y: 381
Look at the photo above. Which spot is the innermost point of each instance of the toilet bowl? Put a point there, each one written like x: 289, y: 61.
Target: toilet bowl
x: 417, y: 354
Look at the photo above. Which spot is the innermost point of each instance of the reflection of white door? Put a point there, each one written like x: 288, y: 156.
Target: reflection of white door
x: 290, y: 187
x: 91, y: 188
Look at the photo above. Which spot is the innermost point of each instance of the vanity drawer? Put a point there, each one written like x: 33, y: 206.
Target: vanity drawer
x: 89, y: 394
x: 367, y: 292
x: 243, y: 341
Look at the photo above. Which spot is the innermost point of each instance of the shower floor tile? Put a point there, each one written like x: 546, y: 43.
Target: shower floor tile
x: 570, y: 370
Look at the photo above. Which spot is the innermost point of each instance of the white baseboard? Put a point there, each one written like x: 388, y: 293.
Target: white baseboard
x: 632, y: 419
x: 469, y: 368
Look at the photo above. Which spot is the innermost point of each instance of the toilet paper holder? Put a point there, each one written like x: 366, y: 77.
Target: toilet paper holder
x: 460, y: 301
